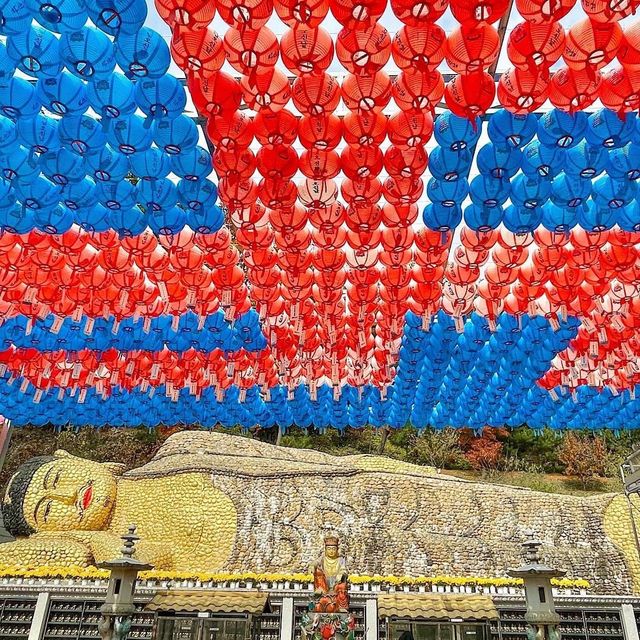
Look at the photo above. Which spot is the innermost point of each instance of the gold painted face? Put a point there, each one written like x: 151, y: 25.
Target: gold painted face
x: 70, y: 494
x: 332, y: 551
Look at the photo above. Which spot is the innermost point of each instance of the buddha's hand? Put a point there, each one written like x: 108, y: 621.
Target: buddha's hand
x: 45, y: 549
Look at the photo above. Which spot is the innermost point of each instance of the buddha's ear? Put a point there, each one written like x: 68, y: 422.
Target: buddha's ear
x: 116, y: 468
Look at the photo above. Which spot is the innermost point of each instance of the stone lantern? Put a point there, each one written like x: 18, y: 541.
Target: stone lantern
x: 541, y: 614
x: 119, y: 607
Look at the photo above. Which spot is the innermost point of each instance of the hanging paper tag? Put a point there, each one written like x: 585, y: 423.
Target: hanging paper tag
x: 24, y: 386
x: 162, y: 288
x: 77, y: 370
x: 60, y: 394
x: 602, y: 336
x: 229, y: 313
x: 56, y: 325
x: 74, y: 389
x: 37, y: 396
x: 617, y: 324
x: 594, y: 349
x: 632, y: 393
x: 201, y: 321
x: 226, y: 297
x: 193, y: 387
x: 116, y: 327
x: 88, y: 326
x: 144, y: 385
x: 231, y: 367
x: 574, y: 397
x: 146, y: 324
x: 599, y: 306
x: 614, y: 391
x: 152, y: 392
x: 3, y: 369
x: 90, y: 378
x: 114, y: 377
x: 219, y: 394
x: 76, y: 316
x: 29, y: 327
x: 553, y: 394
x: 136, y: 314
x: 383, y: 393
x: 81, y: 396
x: 155, y: 370
x: 65, y: 379
x: 191, y: 297
x: 175, y: 324
x: 130, y: 367
x: 336, y: 392
x: 43, y: 312
x: 426, y: 321
x: 267, y: 395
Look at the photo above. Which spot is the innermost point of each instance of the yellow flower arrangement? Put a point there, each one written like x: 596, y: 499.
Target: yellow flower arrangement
x: 93, y: 573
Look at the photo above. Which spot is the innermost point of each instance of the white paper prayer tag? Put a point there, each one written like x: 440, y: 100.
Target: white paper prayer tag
x: 116, y: 327
x: 146, y: 324
x: 81, y: 396
x: 24, y: 386
x: 76, y: 316
x: 37, y: 396
x: 553, y: 394
x: 77, y: 370
x: 56, y: 325
x: 88, y: 326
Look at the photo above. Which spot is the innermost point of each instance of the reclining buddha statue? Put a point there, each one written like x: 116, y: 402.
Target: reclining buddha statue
x: 212, y: 502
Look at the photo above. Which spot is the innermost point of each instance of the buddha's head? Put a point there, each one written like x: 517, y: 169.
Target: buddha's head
x: 331, y: 547
x: 60, y: 493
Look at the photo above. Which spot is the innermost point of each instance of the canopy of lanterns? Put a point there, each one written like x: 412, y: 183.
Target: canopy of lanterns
x: 394, y: 247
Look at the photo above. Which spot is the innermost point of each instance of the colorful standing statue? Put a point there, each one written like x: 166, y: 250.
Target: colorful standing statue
x: 211, y: 502
x: 330, y: 579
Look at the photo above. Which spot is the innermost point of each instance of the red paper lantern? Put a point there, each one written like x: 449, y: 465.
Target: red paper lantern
x: 236, y: 164
x: 418, y: 13
x: 367, y: 93
x: 215, y: 95
x: 306, y: 50
x: 419, y: 48
x: 364, y: 191
x: 573, y: 90
x: 319, y: 165
x: 308, y: 13
x: 609, y: 10
x: 361, y: 162
x: 534, y: 47
x: 233, y: 132
x: 539, y: 11
x: 245, y: 14
x: 521, y: 91
x: 364, y: 51
x: 316, y: 95
x: 417, y: 90
x: 591, y: 45
x: 251, y: 52
x: 477, y: 11
x: 398, y: 190
x: 267, y: 91
x: 197, y: 51
x: 410, y: 128
x: 472, y: 47
x: 277, y: 161
x: 317, y: 194
x: 629, y: 50
x: 276, y: 192
x: 357, y: 13
x: 471, y: 95
x: 322, y: 132
x: 405, y: 162
x: 368, y: 128
x: 620, y: 90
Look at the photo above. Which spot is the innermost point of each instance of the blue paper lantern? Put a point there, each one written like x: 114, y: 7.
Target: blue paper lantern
x: 455, y: 133
x: 610, y: 193
x: 570, y: 191
x: 7, y: 65
x: 82, y: 134
x: 162, y: 97
x: 95, y: 218
x: 585, y: 160
x: 529, y: 192
x: 440, y: 218
x: 506, y: 129
x: 175, y: 136
x: 488, y: 192
x: 62, y: 166
x: 107, y: 165
x: 482, y: 218
x: 522, y: 220
x: 445, y: 164
x: 624, y: 163
x: 79, y: 195
x: 448, y: 194
x: 197, y: 195
x: 63, y: 95
x: 158, y: 195
x: 605, y: 128
x: 205, y: 220
x: 128, y: 222
x: 628, y: 217
x: 129, y: 134
x: 560, y: 129
x: 15, y: 17
x: 117, y: 195
x: 20, y: 163
x: 593, y: 218
x: 541, y: 160
x: 35, y: 52
x: 498, y: 162
x: 55, y: 220
x: 17, y: 219
x: 39, y: 194
x: 117, y: 17
x: 194, y: 164
x: 113, y: 96
x: 59, y: 15
x: 18, y: 99
x: 167, y: 222
x: 39, y: 133
x: 143, y: 54
x: 151, y: 164
x: 87, y: 53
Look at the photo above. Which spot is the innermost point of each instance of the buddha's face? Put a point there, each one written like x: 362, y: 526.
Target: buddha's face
x: 70, y: 493
x: 331, y: 550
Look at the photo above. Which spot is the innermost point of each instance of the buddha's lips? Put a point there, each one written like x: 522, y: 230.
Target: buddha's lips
x: 86, y: 497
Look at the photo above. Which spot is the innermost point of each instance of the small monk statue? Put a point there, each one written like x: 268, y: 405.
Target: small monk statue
x: 330, y: 579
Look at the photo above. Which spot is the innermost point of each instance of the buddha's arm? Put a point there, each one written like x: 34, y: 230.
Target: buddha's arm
x: 52, y: 549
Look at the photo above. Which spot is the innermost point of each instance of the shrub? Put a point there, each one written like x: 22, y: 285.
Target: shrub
x: 584, y: 456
